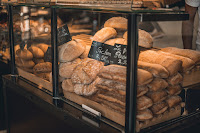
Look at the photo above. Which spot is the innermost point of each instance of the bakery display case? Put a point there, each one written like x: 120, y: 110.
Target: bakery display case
x: 106, y: 67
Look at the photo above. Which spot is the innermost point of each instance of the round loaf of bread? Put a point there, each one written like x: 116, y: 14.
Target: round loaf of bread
x: 71, y: 50
x: 37, y: 52
x: 119, y: 23
x: 24, y: 54
x: 43, y: 47
x: 104, y: 34
x: 112, y: 42
x: 144, y: 102
x: 144, y: 115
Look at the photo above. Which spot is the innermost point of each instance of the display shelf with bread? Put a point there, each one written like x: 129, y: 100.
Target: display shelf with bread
x: 113, y: 72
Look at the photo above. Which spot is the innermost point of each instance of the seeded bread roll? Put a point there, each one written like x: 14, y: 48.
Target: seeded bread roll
x: 157, y: 84
x: 143, y: 77
x: 187, y: 64
x: 118, y: 23
x: 175, y: 80
x: 159, y: 108
x: 43, y: 47
x: 144, y: 102
x: 24, y: 54
x: 174, y: 90
x: 43, y: 67
x: 112, y: 42
x: 144, y: 115
x: 86, y: 90
x: 157, y: 96
x: 66, y: 69
x: 71, y: 50
x: 141, y: 90
x: 104, y: 34
x: 173, y: 101
x: 67, y: 85
x: 156, y: 69
x: 37, y: 52
x: 192, y: 54
x: 170, y: 63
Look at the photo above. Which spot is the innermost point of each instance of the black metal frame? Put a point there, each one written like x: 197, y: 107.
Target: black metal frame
x: 131, y: 85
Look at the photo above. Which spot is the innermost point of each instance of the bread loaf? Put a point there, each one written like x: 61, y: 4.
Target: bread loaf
x: 104, y: 34
x: 43, y: 67
x: 157, y: 96
x: 192, y: 54
x: 171, y: 64
x: 144, y: 115
x: 67, y: 85
x: 87, y: 71
x: 112, y: 84
x: 141, y: 90
x: 37, y: 52
x: 24, y: 63
x: 159, y: 108
x: 173, y: 101
x: 112, y: 42
x: 71, y: 50
x: 175, y: 80
x: 156, y: 69
x: 38, y: 60
x: 24, y: 54
x: 86, y: 90
x: 187, y: 63
x: 43, y: 47
x: 118, y: 23
x: 144, y: 102
x: 86, y: 52
x: 66, y: 69
x: 157, y: 84
x: 174, y: 90
x: 143, y: 77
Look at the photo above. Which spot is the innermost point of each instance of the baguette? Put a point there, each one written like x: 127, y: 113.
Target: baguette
x: 156, y: 69
x: 157, y: 84
x: 171, y: 64
x: 192, y: 54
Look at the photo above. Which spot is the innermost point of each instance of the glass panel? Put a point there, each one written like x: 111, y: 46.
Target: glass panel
x: 92, y: 66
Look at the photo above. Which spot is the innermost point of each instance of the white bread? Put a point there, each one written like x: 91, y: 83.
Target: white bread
x: 71, y: 50
x: 157, y: 84
x: 170, y: 63
x: 116, y: 40
x: 37, y: 52
x: 119, y: 23
x: 156, y: 69
x: 104, y: 34
x: 24, y: 54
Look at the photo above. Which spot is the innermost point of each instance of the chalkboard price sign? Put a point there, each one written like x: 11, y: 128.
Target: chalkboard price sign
x: 108, y: 54
x: 63, y: 35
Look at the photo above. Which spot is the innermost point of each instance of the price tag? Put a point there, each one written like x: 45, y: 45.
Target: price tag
x: 116, y: 54
x: 63, y: 35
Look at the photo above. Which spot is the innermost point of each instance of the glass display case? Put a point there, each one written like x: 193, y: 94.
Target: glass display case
x: 123, y: 67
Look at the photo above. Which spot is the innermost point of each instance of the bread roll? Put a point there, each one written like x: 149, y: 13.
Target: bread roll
x: 157, y: 84
x: 43, y: 47
x: 38, y: 60
x: 143, y: 77
x: 144, y: 115
x: 144, y: 102
x: 187, y: 64
x: 43, y: 67
x: 159, y: 108
x: 114, y: 72
x: 157, y: 96
x: 192, y: 54
x: 119, y: 23
x: 174, y: 90
x: 71, y: 50
x: 37, y: 52
x: 24, y: 54
x: 170, y: 63
x: 112, y: 42
x: 67, y: 85
x: 86, y: 52
x: 175, y: 80
x: 29, y: 64
x: 87, y: 71
x: 173, y: 101
x: 156, y: 69
x: 104, y: 34
x: 86, y: 90
x: 66, y: 69
x: 141, y: 90
x: 44, y: 76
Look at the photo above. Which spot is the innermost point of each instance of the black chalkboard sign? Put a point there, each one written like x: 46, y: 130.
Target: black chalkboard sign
x: 116, y: 54
x: 63, y: 35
